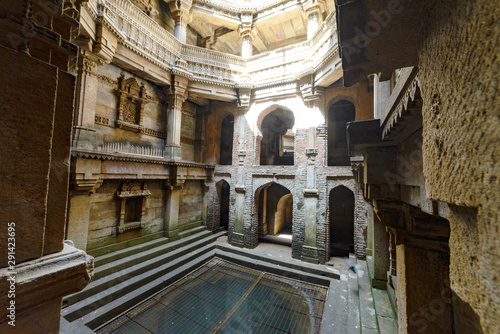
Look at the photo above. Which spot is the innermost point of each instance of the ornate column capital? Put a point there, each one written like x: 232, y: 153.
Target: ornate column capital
x: 175, y: 184
x: 314, y: 7
x: 86, y: 186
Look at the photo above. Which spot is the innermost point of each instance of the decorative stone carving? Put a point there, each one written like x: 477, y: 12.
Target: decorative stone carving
x: 132, y: 99
x: 133, y: 199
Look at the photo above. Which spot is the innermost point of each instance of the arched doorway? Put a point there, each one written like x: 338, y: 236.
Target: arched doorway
x: 223, y: 190
x: 275, y: 214
x: 277, y: 145
x: 226, y: 141
x: 339, y: 114
x: 341, y: 209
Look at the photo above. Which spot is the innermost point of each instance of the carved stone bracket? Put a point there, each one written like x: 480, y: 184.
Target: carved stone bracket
x: 175, y: 184
x: 412, y: 226
x: 86, y: 186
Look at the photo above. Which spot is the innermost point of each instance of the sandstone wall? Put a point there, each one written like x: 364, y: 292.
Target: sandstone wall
x: 155, y: 112
x: 460, y: 150
x: 190, y: 205
x: 188, y: 131
x: 105, y: 214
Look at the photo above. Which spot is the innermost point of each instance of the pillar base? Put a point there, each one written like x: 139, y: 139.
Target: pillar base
x: 238, y: 239
x: 379, y: 284
x: 172, y: 152
x: 309, y: 254
x: 172, y: 234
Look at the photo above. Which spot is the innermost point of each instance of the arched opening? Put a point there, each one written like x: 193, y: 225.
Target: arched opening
x: 341, y: 207
x: 275, y: 214
x: 226, y: 140
x: 223, y: 189
x: 278, y: 141
x: 339, y: 114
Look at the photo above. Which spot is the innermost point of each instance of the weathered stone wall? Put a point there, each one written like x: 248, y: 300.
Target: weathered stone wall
x: 107, y: 107
x: 105, y: 214
x: 360, y: 94
x: 188, y: 131
x: 190, y: 205
x: 460, y: 150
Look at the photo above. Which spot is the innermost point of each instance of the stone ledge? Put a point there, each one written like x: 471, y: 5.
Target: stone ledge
x: 47, y: 279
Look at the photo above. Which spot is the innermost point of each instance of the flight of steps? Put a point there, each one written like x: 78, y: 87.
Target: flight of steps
x: 125, y: 277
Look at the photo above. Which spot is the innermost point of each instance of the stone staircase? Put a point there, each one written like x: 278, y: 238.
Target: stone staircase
x: 127, y: 276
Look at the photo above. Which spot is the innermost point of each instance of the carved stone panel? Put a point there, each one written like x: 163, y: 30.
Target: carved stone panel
x: 132, y: 99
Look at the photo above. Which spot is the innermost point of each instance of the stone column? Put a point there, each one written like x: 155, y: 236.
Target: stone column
x: 309, y: 249
x: 171, y: 226
x: 246, y: 34
x: 204, y: 205
x: 177, y: 94
x: 86, y: 180
x: 79, y: 211
x: 380, y: 244
x: 180, y: 14
x: 84, y: 132
x: 314, y: 11
x: 238, y: 237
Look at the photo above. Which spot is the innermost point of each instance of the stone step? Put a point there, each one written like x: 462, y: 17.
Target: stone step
x: 130, y: 267
x: 117, y: 306
x: 97, y: 252
x: 144, y: 254
x: 302, y: 266
x: 122, y: 253
x: 282, y: 269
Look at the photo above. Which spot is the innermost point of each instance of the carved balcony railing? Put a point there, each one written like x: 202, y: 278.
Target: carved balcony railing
x: 130, y: 149
x: 144, y: 36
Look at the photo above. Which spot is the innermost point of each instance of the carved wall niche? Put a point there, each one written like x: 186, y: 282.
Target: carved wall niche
x: 133, y: 202
x: 132, y: 98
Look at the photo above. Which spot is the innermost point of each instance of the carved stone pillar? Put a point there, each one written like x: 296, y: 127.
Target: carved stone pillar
x: 204, y: 191
x: 180, y: 14
x: 84, y: 132
x: 313, y: 10
x: 246, y: 34
x: 177, y: 94
x: 237, y: 235
x: 309, y: 249
x: 79, y: 211
x: 171, y: 226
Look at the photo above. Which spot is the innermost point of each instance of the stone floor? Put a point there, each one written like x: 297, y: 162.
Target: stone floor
x: 368, y: 310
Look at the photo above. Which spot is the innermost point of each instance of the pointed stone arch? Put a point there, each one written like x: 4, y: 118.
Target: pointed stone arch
x: 341, y: 204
